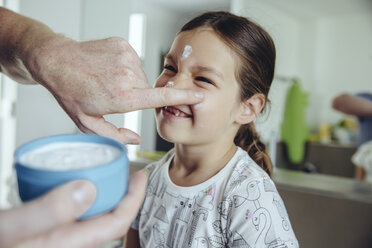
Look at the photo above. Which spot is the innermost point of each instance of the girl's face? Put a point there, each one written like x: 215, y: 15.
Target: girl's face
x: 210, y: 68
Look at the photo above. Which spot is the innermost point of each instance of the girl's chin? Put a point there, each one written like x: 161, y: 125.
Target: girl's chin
x: 173, y: 138
x: 169, y: 138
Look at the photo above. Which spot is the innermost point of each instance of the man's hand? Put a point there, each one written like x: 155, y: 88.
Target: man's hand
x: 51, y: 220
x: 88, y: 79
x: 94, y: 78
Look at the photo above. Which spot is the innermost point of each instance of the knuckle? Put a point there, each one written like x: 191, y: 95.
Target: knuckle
x: 133, y: 58
x: 57, y: 212
x: 117, y: 41
x: 164, y: 95
x: 128, y: 75
x: 120, y: 44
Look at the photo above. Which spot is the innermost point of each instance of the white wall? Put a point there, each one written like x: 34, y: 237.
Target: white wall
x: 102, y: 19
x: 344, y: 59
x: 286, y: 31
x: 329, y: 53
x: 38, y: 113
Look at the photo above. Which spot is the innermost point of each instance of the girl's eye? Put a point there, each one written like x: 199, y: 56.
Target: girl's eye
x: 203, y: 79
x: 170, y: 68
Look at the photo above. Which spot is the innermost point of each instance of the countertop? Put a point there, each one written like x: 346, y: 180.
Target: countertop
x: 339, y: 187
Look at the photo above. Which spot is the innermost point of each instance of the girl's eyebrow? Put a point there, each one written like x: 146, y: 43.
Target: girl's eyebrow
x: 208, y: 69
x: 198, y: 68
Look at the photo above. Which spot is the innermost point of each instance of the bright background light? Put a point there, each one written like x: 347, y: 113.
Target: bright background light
x: 137, y: 28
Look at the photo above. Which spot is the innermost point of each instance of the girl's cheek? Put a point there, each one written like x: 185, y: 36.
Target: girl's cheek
x: 209, y: 102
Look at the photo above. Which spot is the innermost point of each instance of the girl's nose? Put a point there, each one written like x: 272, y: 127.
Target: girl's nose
x: 179, y: 82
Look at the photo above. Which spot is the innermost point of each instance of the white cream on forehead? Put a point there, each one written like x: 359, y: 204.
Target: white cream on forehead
x: 187, y: 50
x: 69, y: 156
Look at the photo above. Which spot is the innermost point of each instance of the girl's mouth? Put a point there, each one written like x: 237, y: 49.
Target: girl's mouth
x: 177, y: 111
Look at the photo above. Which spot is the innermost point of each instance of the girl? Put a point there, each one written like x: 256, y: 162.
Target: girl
x: 214, y: 188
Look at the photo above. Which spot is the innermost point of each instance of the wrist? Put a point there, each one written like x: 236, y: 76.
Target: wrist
x: 24, y: 46
x: 41, y: 56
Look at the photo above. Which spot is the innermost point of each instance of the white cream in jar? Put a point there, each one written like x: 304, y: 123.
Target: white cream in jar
x: 70, y: 156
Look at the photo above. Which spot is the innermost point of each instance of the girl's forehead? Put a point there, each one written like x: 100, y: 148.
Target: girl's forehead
x: 205, y: 44
x: 204, y: 49
x: 203, y: 39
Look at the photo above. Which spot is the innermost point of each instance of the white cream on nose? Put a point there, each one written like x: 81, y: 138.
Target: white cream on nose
x: 197, y: 106
x: 169, y: 84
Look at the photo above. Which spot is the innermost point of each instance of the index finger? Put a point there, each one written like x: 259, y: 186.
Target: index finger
x: 137, y: 99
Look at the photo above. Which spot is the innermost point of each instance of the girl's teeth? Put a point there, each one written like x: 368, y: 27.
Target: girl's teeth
x: 175, y: 111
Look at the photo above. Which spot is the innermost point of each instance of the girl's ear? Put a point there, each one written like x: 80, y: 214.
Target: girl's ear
x: 250, y: 108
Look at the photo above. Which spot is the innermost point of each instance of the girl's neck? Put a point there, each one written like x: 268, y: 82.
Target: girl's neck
x: 193, y: 165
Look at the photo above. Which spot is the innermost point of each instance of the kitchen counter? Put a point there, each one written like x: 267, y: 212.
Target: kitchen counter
x: 327, y: 211
x: 326, y: 185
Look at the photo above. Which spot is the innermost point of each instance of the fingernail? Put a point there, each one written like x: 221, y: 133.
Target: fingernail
x: 131, y: 138
x: 198, y: 94
x: 135, y: 140
x: 84, y: 194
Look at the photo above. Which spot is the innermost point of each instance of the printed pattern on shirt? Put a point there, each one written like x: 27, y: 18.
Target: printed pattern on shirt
x: 240, y: 209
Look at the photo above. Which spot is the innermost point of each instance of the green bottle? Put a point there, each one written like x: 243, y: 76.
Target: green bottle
x: 294, y: 131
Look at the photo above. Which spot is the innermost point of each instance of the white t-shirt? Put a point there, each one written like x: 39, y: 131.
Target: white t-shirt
x: 238, y: 207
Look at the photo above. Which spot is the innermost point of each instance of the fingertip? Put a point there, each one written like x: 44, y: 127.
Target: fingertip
x: 186, y: 96
x: 137, y: 184
x: 139, y: 177
x: 133, y: 199
x: 198, y: 95
x: 84, y: 193
x: 76, y: 197
x: 129, y: 137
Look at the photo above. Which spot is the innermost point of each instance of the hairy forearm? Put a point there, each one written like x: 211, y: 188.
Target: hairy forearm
x: 21, y: 39
x: 352, y: 105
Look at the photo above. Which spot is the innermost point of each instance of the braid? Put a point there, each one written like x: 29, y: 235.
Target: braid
x: 248, y: 139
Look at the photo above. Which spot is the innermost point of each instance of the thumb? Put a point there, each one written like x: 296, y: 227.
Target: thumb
x: 62, y: 205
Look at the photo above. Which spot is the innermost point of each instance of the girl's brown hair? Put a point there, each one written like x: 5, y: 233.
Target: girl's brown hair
x: 256, y: 51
